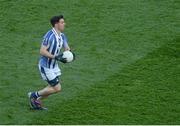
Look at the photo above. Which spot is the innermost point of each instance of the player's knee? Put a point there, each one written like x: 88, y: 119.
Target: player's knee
x: 57, y: 88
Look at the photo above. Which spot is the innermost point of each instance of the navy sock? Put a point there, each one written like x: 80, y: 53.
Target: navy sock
x: 35, y: 95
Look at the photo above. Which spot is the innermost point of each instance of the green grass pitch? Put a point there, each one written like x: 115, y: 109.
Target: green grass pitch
x: 127, y: 69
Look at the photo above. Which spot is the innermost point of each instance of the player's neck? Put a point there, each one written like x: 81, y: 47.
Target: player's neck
x: 58, y: 32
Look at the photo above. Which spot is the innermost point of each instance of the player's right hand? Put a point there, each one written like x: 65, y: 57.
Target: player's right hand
x: 60, y: 58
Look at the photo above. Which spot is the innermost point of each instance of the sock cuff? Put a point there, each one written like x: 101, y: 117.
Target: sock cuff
x: 37, y: 94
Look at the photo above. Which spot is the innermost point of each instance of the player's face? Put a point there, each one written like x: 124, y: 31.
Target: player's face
x: 61, y: 25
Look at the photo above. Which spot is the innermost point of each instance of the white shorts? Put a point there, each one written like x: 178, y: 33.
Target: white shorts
x: 49, y: 74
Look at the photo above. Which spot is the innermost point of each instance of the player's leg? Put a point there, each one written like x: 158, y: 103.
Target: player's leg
x: 36, y: 97
x: 53, y: 87
x: 51, y: 76
x: 54, y: 84
x: 44, y: 93
x: 57, y: 88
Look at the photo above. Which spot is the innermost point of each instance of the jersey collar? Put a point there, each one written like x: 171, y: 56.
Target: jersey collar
x: 56, y: 34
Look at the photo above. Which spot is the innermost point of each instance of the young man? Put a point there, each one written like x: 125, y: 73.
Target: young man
x: 52, y: 42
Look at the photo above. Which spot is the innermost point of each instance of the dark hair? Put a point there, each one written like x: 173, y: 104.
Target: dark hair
x: 55, y: 19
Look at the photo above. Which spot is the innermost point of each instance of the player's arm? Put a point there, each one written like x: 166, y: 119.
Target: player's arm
x: 65, y: 43
x: 44, y: 52
x: 67, y: 48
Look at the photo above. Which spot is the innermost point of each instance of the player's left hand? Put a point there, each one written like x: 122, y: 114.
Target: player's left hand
x: 60, y: 58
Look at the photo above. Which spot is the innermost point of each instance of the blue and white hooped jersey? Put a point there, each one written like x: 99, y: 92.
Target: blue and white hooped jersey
x: 54, y: 42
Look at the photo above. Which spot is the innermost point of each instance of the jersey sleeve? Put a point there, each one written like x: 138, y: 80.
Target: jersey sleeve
x: 45, y: 41
x: 65, y: 43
